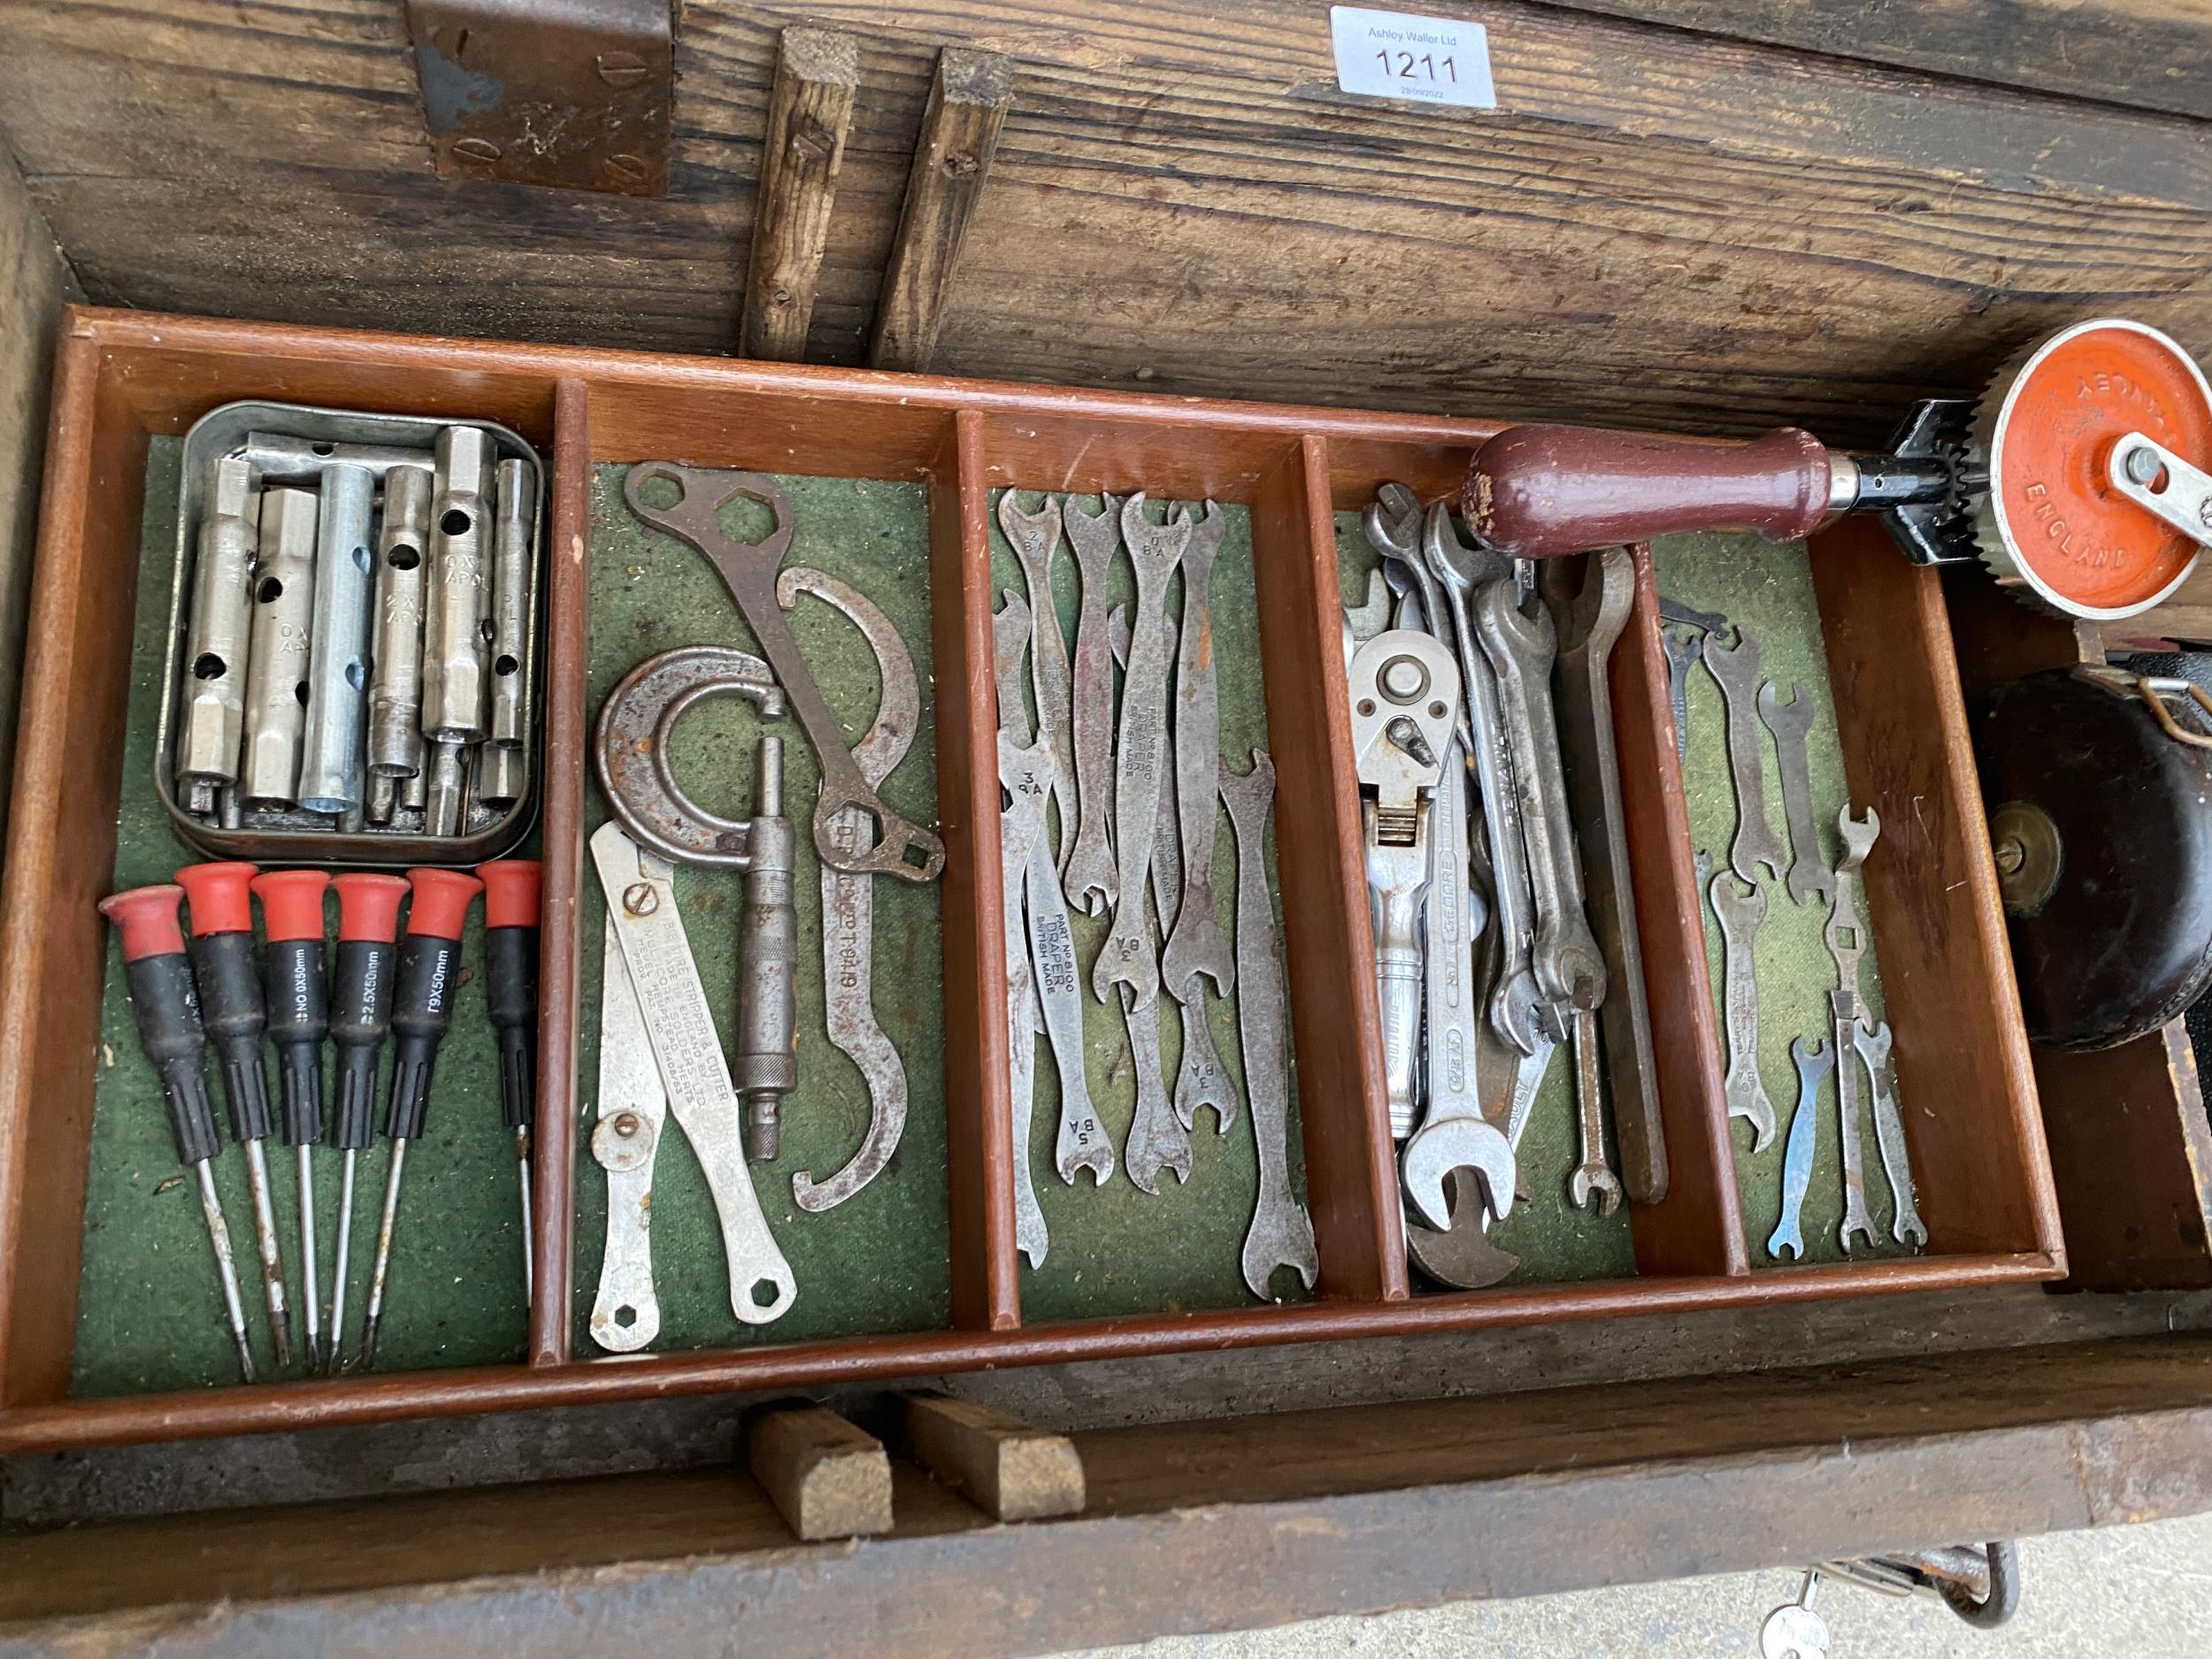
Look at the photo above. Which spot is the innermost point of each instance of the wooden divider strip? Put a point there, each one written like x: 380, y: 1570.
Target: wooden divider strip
x: 1964, y: 1074
x: 1336, y: 1024
x: 61, y: 859
x: 1699, y: 1227
x: 979, y: 1123
x: 562, y: 1012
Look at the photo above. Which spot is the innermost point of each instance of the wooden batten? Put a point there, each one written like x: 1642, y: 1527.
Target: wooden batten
x: 828, y: 1477
x: 1008, y: 1469
x: 968, y: 102
x: 810, y: 112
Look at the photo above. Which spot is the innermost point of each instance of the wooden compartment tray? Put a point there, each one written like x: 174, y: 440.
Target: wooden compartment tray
x: 122, y: 377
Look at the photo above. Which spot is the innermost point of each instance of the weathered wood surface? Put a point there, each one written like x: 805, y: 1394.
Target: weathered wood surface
x: 1000, y: 1463
x: 828, y: 1477
x: 810, y: 112
x: 1195, y: 1527
x: 34, y: 283
x: 1658, y: 225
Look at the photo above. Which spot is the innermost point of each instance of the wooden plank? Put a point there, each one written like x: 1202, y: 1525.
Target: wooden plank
x: 1965, y: 1085
x: 1009, y: 1471
x: 1198, y: 1525
x: 810, y: 112
x: 968, y: 102
x: 2147, y: 54
x: 1814, y: 239
x: 35, y: 284
x: 828, y: 1477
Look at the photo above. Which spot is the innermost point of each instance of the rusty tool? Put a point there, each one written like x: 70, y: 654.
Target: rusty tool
x: 1196, y: 945
x: 1590, y: 622
x: 216, y: 643
x: 2076, y: 478
x: 1740, y: 914
x: 1009, y: 643
x: 1736, y: 668
x: 1089, y: 880
x: 749, y: 570
x: 1873, y: 1044
x: 1847, y: 939
x: 1035, y: 539
x: 1791, y: 722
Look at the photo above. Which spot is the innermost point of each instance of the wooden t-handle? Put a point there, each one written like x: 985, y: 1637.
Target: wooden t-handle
x: 1532, y: 492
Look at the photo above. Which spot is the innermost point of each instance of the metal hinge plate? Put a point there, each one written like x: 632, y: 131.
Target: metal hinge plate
x: 574, y: 94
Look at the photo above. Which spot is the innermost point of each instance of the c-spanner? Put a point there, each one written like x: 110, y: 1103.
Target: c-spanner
x: 849, y: 901
x: 1090, y: 878
x: 1846, y: 936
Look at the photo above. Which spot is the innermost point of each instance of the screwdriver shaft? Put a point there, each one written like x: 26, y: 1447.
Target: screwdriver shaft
x: 342, y: 1266
x: 522, y: 1157
x: 225, y: 1265
x: 311, y: 1299
x: 265, y: 1235
x: 383, y: 1256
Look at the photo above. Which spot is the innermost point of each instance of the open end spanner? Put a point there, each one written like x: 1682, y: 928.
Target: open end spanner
x: 1740, y: 914
x: 630, y: 1111
x: 1140, y: 754
x: 1791, y: 722
x: 849, y: 901
x: 1685, y: 647
x: 1462, y: 572
x: 1197, y: 946
x: 900, y: 847
x: 1024, y: 1020
x: 1590, y: 623
x: 1090, y: 878
x: 1200, y: 1077
x: 1463, y: 1255
x: 1282, y: 1234
x: 1737, y: 669
x: 1889, y: 1133
x: 1592, y: 1181
x: 1846, y: 936
x: 1157, y: 1141
x: 1815, y: 1060
x: 1035, y: 538
x: 641, y: 894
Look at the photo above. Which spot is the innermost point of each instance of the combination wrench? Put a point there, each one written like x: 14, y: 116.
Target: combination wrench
x: 899, y: 847
x: 1740, y: 914
x: 1090, y: 878
x: 1889, y: 1132
x: 1815, y: 1060
x: 1035, y: 538
x: 1196, y: 945
x: 656, y: 955
x: 1281, y: 1233
x: 1009, y: 645
x: 1791, y: 722
x: 1736, y: 668
x: 1846, y: 936
x: 849, y: 901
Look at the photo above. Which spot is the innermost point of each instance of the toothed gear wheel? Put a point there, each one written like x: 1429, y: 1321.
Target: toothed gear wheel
x: 2049, y: 526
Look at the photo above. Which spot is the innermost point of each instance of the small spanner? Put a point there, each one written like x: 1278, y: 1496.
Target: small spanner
x: 749, y: 570
x: 1009, y: 646
x: 1737, y: 669
x: 1196, y: 946
x: 1282, y: 1234
x: 1740, y: 914
x: 630, y: 1113
x: 1035, y: 538
x: 1889, y: 1133
x: 1685, y: 647
x: 1790, y: 722
x: 849, y: 901
x: 1090, y: 878
x: 1592, y: 1178
x: 1845, y: 936
x: 1815, y: 1060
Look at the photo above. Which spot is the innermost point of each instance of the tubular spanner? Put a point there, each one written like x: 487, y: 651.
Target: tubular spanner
x: 902, y: 849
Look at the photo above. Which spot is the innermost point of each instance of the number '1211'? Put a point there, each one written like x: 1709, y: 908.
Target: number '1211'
x: 1426, y: 62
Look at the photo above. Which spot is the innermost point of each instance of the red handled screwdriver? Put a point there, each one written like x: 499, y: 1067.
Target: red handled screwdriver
x: 231, y: 1016
x: 511, y: 996
x: 167, y: 1010
x: 422, y: 1013
x: 298, y: 1011
x: 360, y: 1017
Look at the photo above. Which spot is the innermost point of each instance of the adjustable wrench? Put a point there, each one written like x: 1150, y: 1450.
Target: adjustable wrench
x: 640, y: 894
x: 1141, y: 755
x: 1196, y: 946
x: 1740, y: 914
x: 1465, y: 572
x: 1815, y: 1060
x: 1009, y: 645
x: 1846, y: 936
x: 1090, y: 877
x: 1889, y: 1132
x: 1282, y: 1234
x: 1200, y: 1077
x: 902, y: 849
x: 1790, y: 721
x: 849, y: 901
x: 1737, y: 669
